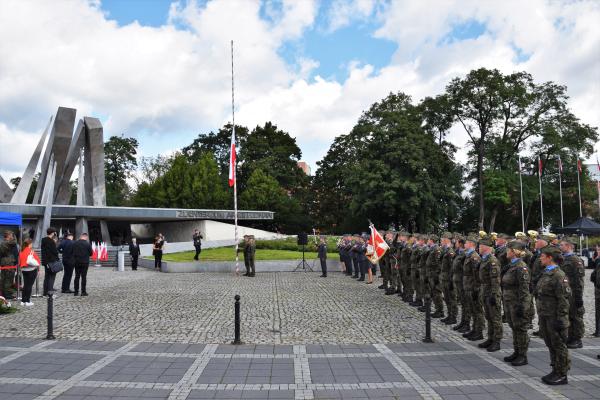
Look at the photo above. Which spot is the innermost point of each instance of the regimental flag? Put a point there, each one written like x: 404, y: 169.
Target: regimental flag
x: 376, y: 246
x: 104, y: 253
x: 579, y: 169
x: 540, y: 166
x: 232, y: 158
x: 94, y: 251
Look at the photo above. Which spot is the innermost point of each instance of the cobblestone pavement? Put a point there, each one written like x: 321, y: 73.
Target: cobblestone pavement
x: 145, y: 335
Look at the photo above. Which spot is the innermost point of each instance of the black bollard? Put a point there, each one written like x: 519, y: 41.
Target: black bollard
x: 237, y: 339
x: 50, y: 335
x: 427, y: 338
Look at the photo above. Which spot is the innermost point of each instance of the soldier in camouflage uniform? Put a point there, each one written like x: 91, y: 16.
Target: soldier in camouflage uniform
x: 406, y: 271
x: 573, y: 268
x: 457, y: 284
x: 490, y: 294
x: 392, y: 255
x: 415, y: 257
x: 423, y: 276
x: 448, y: 255
x: 500, y: 252
x: 434, y: 267
x: 552, y: 300
x: 471, y: 287
x: 384, y: 262
x: 515, y: 292
x: 595, y: 279
x: 536, y: 268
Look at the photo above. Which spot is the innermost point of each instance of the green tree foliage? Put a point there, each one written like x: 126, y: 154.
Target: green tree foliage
x: 119, y: 165
x: 389, y: 169
x: 17, y: 180
x: 264, y: 193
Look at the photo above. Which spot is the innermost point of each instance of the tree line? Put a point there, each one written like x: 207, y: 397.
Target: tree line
x: 396, y: 167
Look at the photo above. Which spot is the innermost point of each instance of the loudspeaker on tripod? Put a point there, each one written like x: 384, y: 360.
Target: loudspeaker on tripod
x: 302, y: 239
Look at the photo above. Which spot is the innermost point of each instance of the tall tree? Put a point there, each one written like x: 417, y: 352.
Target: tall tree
x: 119, y: 165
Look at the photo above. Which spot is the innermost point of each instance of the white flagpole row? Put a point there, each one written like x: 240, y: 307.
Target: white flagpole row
x: 235, y: 211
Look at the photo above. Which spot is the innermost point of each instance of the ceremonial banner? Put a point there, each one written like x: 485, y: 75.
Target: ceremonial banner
x: 376, y: 246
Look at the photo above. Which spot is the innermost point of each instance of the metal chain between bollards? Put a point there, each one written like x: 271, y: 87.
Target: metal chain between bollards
x: 50, y: 335
x: 237, y: 339
x: 427, y: 338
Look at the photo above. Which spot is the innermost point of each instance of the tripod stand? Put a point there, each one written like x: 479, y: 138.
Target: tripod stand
x: 303, y: 264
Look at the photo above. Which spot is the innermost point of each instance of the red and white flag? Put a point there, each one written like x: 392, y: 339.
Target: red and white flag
x: 104, y: 252
x: 540, y: 166
x: 232, y: 158
x: 597, y: 162
x: 94, y: 251
x: 376, y: 246
x: 579, y: 165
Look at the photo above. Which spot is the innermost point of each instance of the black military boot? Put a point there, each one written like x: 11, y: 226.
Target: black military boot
x: 466, y: 328
x: 437, y: 314
x: 512, y: 357
x: 536, y: 333
x: 468, y: 334
x: 495, y: 346
x: 444, y: 320
x: 597, y: 333
x: 382, y: 286
x: 574, y: 344
x: 460, y: 325
x: 390, y: 291
x: 519, y: 361
x: 555, y: 379
x: 476, y: 336
x: 485, y: 345
x: 450, y: 321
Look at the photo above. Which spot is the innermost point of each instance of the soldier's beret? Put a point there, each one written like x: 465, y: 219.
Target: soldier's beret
x: 434, y: 237
x: 472, y: 237
x: 447, y: 235
x: 486, y: 241
x: 573, y: 240
x: 458, y: 236
x: 516, y: 245
x: 551, y: 251
x: 520, y: 235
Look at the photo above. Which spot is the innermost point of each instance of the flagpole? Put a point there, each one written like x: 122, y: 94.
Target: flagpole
x: 562, y: 221
x: 541, y: 196
x: 521, y: 185
x: 579, y: 186
x: 235, y: 210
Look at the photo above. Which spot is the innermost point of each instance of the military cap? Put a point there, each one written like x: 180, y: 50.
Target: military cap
x: 574, y: 240
x: 551, y: 251
x: 404, y: 233
x: 493, y: 235
x: 447, y: 235
x: 458, y: 236
x: 482, y: 234
x: 544, y: 237
x: 520, y: 235
x: 516, y: 245
x: 532, y: 234
x: 486, y: 241
x: 472, y: 237
x: 434, y: 237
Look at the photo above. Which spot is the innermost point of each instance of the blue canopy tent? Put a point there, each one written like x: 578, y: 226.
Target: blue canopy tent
x: 10, y: 219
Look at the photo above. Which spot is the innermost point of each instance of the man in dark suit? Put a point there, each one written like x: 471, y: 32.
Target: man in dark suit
x: 65, y: 248
x: 82, y: 251
x: 322, y: 252
x: 134, y: 252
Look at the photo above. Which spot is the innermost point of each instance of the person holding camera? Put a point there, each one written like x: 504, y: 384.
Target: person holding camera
x: 49, y: 256
x: 197, y: 238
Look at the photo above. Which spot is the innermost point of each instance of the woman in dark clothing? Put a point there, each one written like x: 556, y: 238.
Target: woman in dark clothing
x: 159, y: 242
x: 49, y: 255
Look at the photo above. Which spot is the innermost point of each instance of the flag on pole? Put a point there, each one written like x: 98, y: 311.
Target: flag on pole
x: 559, y: 164
x: 376, y: 246
x: 540, y: 165
x: 579, y: 165
x: 94, y: 251
x: 597, y: 162
x: 232, y: 158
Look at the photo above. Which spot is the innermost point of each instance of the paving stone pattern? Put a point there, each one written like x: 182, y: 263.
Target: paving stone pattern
x: 146, y: 335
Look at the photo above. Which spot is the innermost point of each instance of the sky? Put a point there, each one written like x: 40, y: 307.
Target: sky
x: 160, y: 70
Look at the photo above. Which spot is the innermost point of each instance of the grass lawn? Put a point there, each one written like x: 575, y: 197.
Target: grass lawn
x: 228, y: 254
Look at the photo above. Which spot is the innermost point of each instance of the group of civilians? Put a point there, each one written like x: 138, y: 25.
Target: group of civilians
x: 75, y: 258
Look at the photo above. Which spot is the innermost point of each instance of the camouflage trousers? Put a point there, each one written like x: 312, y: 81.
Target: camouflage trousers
x: 408, y: 285
x: 423, y: 284
x: 476, y: 308
x: 450, y: 297
x: 7, y: 276
x: 518, y: 326
x: 556, y: 343
x: 465, y: 304
x: 385, y: 272
x: 395, y: 273
x: 403, y: 278
x: 416, y: 279
x: 576, y: 324
x: 492, y: 304
x: 435, y: 290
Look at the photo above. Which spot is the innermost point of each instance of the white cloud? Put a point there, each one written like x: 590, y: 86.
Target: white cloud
x: 163, y: 83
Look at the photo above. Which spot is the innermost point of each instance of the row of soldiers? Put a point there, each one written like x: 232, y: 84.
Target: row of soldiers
x: 484, y: 274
